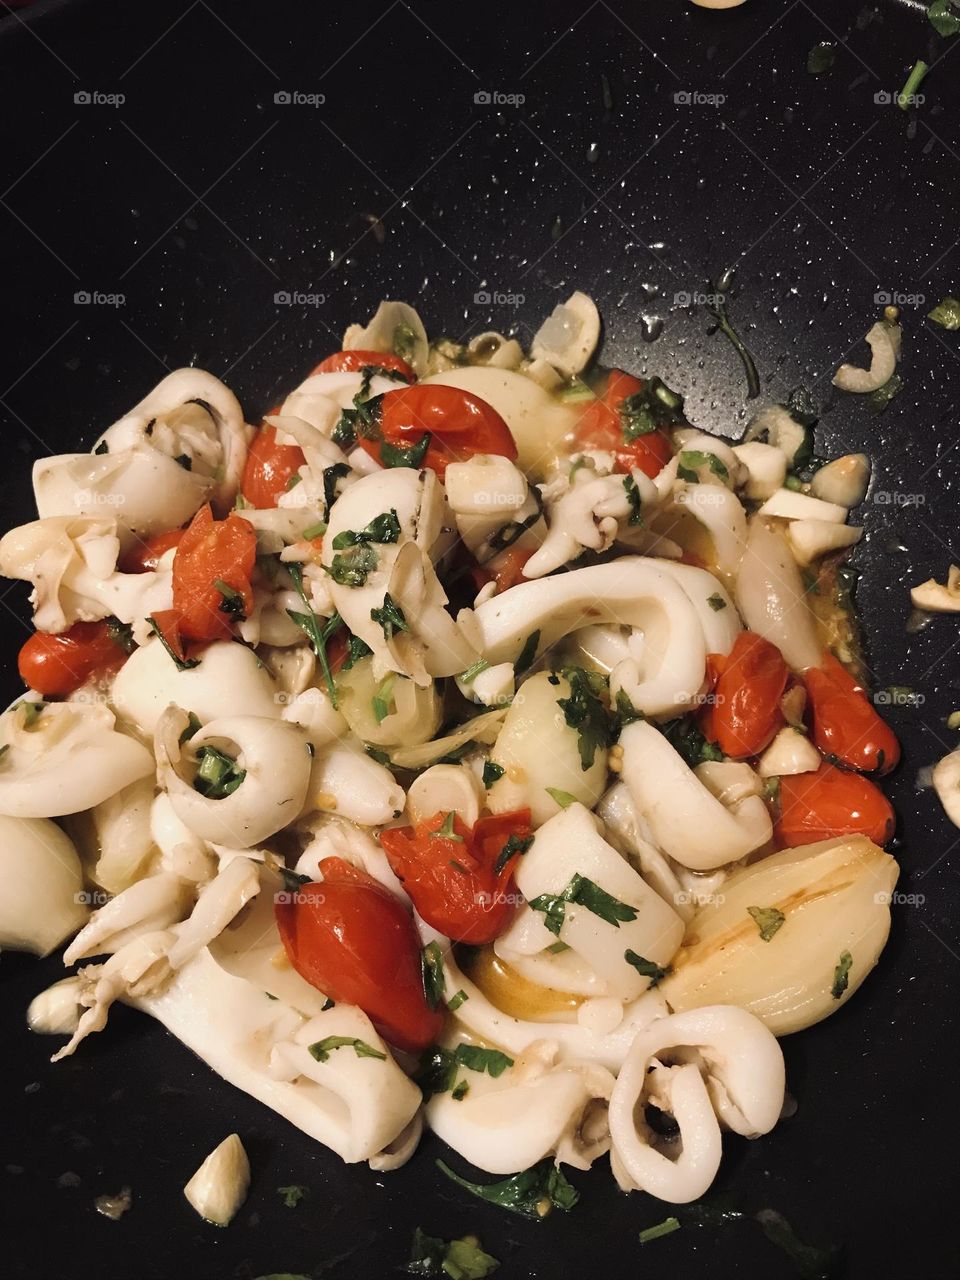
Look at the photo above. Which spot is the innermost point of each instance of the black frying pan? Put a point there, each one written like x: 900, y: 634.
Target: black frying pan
x: 199, y: 199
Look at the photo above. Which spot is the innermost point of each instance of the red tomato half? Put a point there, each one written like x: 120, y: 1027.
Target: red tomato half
x: 354, y: 361
x: 453, y: 879
x: 601, y: 427
x: 844, y: 724
x: 457, y: 423
x: 816, y: 806
x: 357, y: 943
x: 269, y: 468
x: 209, y: 552
x: 746, y: 712
x: 56, y: 666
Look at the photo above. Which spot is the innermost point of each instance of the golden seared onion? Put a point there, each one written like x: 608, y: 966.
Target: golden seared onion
x: 834, y: 897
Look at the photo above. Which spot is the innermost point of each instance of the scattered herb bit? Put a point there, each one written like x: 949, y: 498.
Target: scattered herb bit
x: 515, y: 844
x: 293, y: 481
x: 647, y: 410
x: 821, y: 58
x: 768, y: 920
x: 383, y: 697
x: 947, y: 311
x: 664, y: 1228
x: 436, y: 1071
x: 398, y: 455
x: 585, y: 712
x: 512, y: 531
x: 471, y: 673
x: 646, y: 968
x: 913, y: 83
x: 462, y: 1259
x: 431, y: 966
x: 121, y: 633
x: 492, y: 772
x: 460, y: 1091
x: 390, y: 617
x: 841, y: 975
x: 626, y: 711
x: 690, y: 459
x: 231, y: 602
x: 771, y: 788
x: 563, y: 798
x: 32, y: 710
x: 633, y: 497
x: 686, y: 739
x: 102, y: 448
x: 182, y: 664
x: 557, y: 948
x: 314, y: 531
x: 328, y: 1004
x: 476, y: 1058
x: 293, y: 881
x: 945, y: 17
x: 716, y: 602
x: 718, y: 290
x: 331, y: 476
x: 445, y: 831
x: 455, y: 1001
x: 532, y: 1194
x: 384, y: 528
x: 878, y: 400
x: 292, y: 1195
x: 318, y: 636
x: 217, y: 774
x: 184, y: 460
x: 581, y: 892
x: 811, y: 1263
x: 527, y: 653
x: 322, y: 1049
x: 356, y: 649
x: 193, y: 724
x: 352, y: 568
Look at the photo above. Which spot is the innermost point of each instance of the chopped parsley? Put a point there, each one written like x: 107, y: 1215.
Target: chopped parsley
x: 405, y: 455
x: 690, y: 459
x: 533, y: 1193
x: 331, y: 476
x: 101, y: 448
x: 292, y: 1195
x: 687, y: 740
x: 878, y: 400
x: 456, y: 1000
x: 633, y: 497
x: 356, y: 649
x: 716, y: 602
x: 718, y: 309
x: 193, y: 726
x: 664, y: 1228
x: 515, y: 844
x: 471, y: 673
x: 184, y: 460
x: 446, y: 830
x: 821, y: 58
x: 182, y: 664
x: 646, y: 968
x: 509, y: 533
x: 475, y: 1058
x: 32, y: 711
x: 654, y: 406
x: 218, y: 775
x: 352, y: 568
x: 318, y: 636
x: 322, y: 1049
x: 436, y: 1071
x: 462, y: 1259
x: 431, y: 966
x: 913, y: 82
x: 587, y: 713
x: 390, y: 616
x: 460, y: 1091
x: 384, y: 528
x: 581, y: 892
x: 563, y: 798
x: 841, y: 975
x: 121, y: 633
x: 231, y: 602
x: 767, y: 919
x: 383, y: 698
x: 947, y: 311
x: 314, y: 531
x: 528, y: 652
x: 492, y: 772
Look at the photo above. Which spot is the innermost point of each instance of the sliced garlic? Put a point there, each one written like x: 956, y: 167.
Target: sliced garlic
x: 220, y: 1185
x: 844, y: 480
x: 884, y: 342
x: 789, y: 505
x: 946, y: 783
x: 811, y: 539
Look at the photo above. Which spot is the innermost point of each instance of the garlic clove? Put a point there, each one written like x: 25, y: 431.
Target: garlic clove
x: 56, y: 1011
x: 220, y: 1185
x: 844, y: 480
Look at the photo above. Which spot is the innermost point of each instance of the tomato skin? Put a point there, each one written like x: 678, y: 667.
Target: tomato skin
x: 357, y: 943
x: 506, y: 570
x: 750, y: 681
x: 269, y: 468
x: 210, y: 550
x: 844, y: 724
x: 452, y: 881
x: 146, y: 555
x: 56, y: 666
x: 830, y: 802
x: 459, y: 424
x: 354, y: 361
x: 600, y: 427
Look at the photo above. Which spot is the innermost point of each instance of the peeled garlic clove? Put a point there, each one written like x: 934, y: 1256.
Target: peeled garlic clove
x: 42, y: 901
x: 811, y: 539
x: 844, y: 480
x: 834, y: 896
x: 56, y: 1011
x: 946, y: 783
x: 790, y: 752
x: 220, y: 1185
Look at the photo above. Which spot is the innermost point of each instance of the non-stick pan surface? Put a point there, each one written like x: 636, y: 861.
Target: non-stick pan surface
x: 173, y: 164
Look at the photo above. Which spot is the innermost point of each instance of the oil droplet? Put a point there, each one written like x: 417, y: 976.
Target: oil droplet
x: 651, y: 327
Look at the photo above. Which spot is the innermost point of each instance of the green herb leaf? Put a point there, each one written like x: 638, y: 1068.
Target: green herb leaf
x: 515, y: 844
x: 945, y: 18
x: 821, y: 58
x: 331, y: 476
x: 691, y: 459
x: 314, y: 531
x: 716, y: 602
x: 390, y: 617
x: 352, y: 568
x: 436, y: 1072
x: 383, y: 697
x: 878, y: 400
x: 356, y: 649
x: 318, y: 636
x: 231, y: 602
x: 446, y: 830
x: 585, y: 712
x: 811, y: 1263
x: 399, y: 455
x: 121, y: 633
x: 947, y: 311
x: 664, y: 1228
x: 184, y: 460
x: 459, y: 1260
x: 532, y: 1193
x: 581, y: 892
x: 654, y: 406
x: 768, y: 920
x: 718, y: 291
x: 507, y: 535
x: 322, y: 1049
x: 841, y: 975
x: 913, y: 83
x: 492, y: 772
x: 431, y: 966
x: 292, y: 1195
x: 471, y: 673
x: 217, y: 774
x: 563, y: 798
x: 383, y: 528
x: 527, y: 653
x: 646, y: 968
x: 687, y: 740
x: 182, y: 664
x: 460, y: 1091
x: 456, y: 1000
x: 476, y: 1058
x: 193, y: 724
x: 633, y: 497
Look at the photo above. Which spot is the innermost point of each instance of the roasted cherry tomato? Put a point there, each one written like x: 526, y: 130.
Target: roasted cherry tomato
x: 356, y: 942
x: 745, y: 713
x: 354, y: 361
x: 457, y: 425
x: 451, y: 872
x: 603, y: 426
x: 830, y: 802
x: 843, y: 723
x: 211, y: 575
x: 269, y: 468
x: 146, y: 555
x: 56, y: 666
x: 506, y: 570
